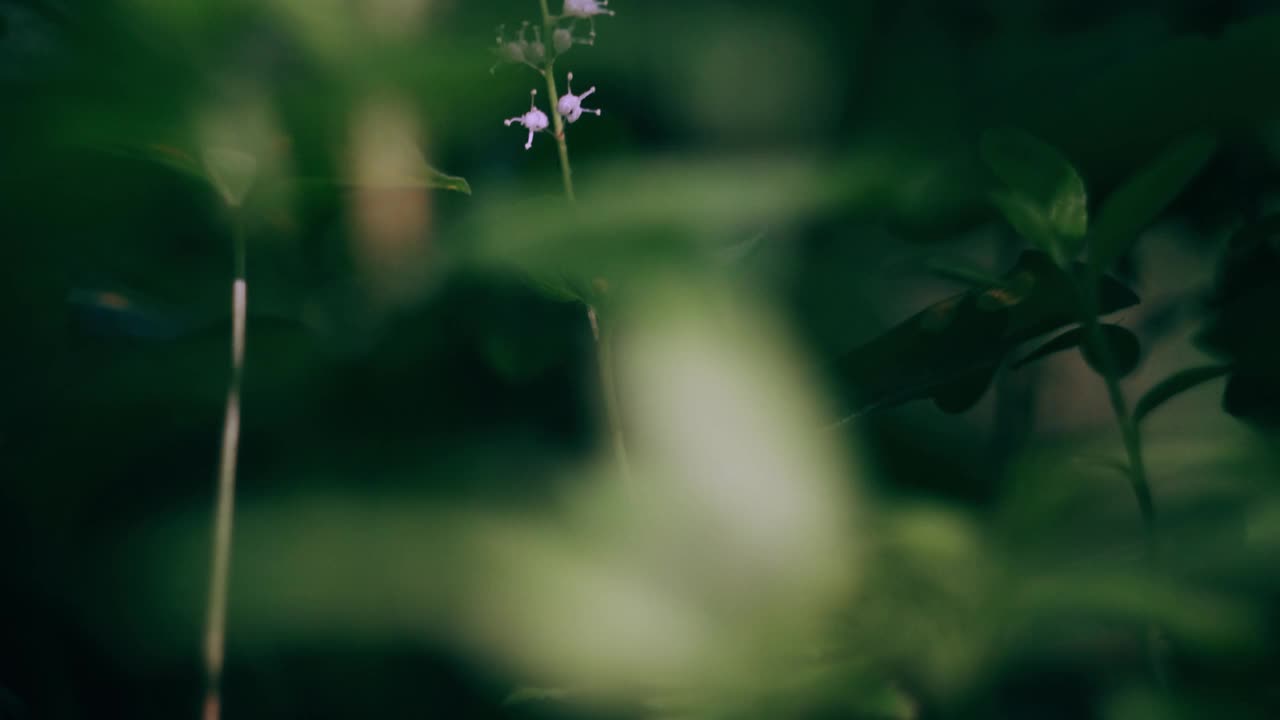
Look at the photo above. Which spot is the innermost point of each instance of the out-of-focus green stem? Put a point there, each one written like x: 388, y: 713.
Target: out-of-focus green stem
x: 1088, y: 298
x: 603, y: 337
x: 224, y: 506
x: 1087, y: 294
x: 557, y: 124
x: 604, y: 357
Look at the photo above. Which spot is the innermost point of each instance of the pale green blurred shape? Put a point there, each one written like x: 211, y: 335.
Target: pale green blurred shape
x: 682, y: 209
x: 720, y: 565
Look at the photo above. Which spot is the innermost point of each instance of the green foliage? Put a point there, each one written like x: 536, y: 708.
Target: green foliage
x: 431, y: 520
x: 1142, y: 198
x: 1175, y: 385
x: 950, y: 350
x: 1123, y: 344
x: 1046, y: 201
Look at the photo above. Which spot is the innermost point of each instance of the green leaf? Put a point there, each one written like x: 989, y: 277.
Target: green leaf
x: 1065, y: 341
x: 962, y: 274
x: 1253, y: 398
x: 1125, y: 349
x: 1046, y: 186
x: 1029, y: 221
x: 933, y: 353
x: 426, y: 177
x: 523, y: 695
x: 174, y: 156
x: 963, y: 393
x: 1124, y: 345
x: 1144, y: 196
x: 231, y: 172
x: 1174, y: 385
x: 432, y: 178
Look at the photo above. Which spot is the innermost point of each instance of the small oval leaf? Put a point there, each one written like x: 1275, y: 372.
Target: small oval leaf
x: 1124, y: 345
x: 964, y: 392
x: 1125, y: 349
x: 1175, y: 385
x: 1065, y: 341
x: 1048, y: 185
x: 1143, y: 197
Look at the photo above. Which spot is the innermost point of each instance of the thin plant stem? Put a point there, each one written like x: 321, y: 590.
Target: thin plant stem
x: 557, y: 124
x: 604, y: 358
x: 602, y: 335
x: 224, y: 509
x: 1124, y: 419
x: 1087, y: 293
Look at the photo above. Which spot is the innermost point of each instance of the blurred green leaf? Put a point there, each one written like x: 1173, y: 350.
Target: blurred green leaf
x: 231, y: 172
x: 944, y: 350
x: 1175, y: 385
x: 1124, y: 345
x: 962, y: 274
x: 523, y: 695
x: 1047, y: 204
x: 1144, y: 196
x: 963, y: 393
x: 426, y: 177
x: 1253, y: 397
x: 1029, y: 221
x: 166, y: 155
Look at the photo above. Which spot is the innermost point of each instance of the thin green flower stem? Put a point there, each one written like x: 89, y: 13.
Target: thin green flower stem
x: 1087, y: 294
x: 566, y: 173
x: 224, y: 508
x: 604, y: 358
x: 602, y: 335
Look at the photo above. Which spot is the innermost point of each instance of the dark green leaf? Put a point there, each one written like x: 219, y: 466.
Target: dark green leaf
x: 964, y: 392
x: 1065, y: 341
x: 426, y: 177
x: 1124, y: 346
x: 1254, y: 398
x: 1028, y: 220
x: 1174, y: 385
x: 962, y: 274
x: 935, y: 351
x: 1143, y: 197
x: 1048, y: 202
x: 1125, y: 350
x: 535, y: 694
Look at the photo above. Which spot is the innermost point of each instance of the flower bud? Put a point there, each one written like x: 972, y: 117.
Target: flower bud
x: 562, y: 40
x: 535, y: 53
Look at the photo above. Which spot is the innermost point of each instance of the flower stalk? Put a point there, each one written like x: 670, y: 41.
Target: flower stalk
x: 224, y: 507
x: 565, y: 110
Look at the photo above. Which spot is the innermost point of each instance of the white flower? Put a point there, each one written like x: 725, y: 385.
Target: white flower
x: 585, y: 8
x: 535, y: 120
x: 570, y: 105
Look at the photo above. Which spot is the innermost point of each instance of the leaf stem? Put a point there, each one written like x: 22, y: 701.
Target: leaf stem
x: 224, y: 508
x: 1088, y: 299
x: 602, y: 335
x: 604, y: 358
x: 1088, y: 295
x: 557, y: 124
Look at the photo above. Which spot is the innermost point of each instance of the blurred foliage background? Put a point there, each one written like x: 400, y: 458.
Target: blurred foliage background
x: 836, y: 507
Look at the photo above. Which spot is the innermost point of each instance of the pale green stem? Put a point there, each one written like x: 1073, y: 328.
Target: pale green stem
x: 557, y: 124
x: 1088, y: 298
x: 603, y: 337
x: 224, y: 509
x: 1128, y: 428
x: 604, y: 358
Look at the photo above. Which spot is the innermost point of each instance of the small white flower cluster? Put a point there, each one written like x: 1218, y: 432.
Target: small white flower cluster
x: 535, y: 54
